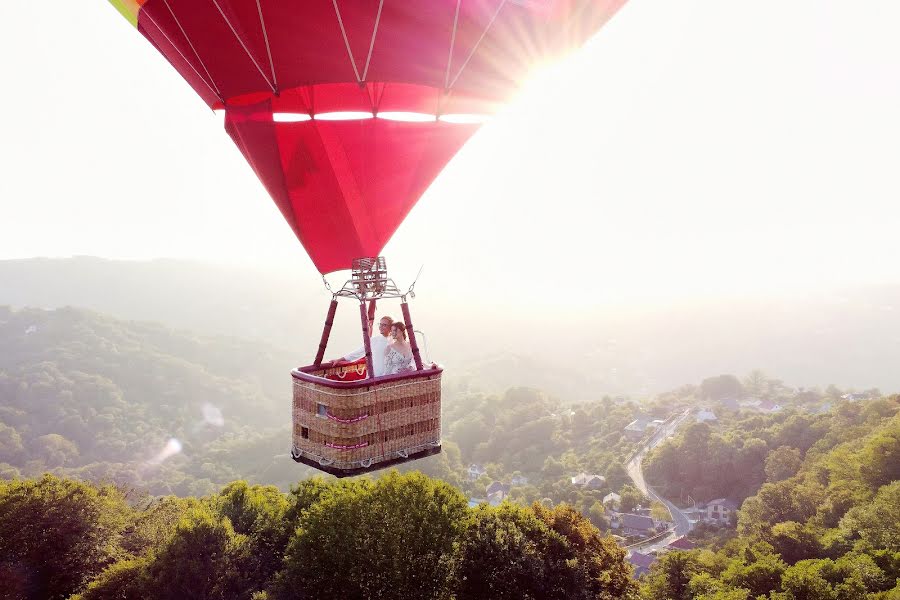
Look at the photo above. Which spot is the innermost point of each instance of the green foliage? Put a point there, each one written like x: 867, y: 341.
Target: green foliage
x: 670, y: 576
x: 502, y: 554
x: 582, y: 564
x: 57, y: 533
x: 721, y: 387
x: 96, y: 398
x: 123, y: 580
x: 757, y: 569
x: 659, y: 511
x: 704, y: 464
x: 257, y: 512
x: 401, y: 536
x: 821, y: 528
x: 204, y: 558
x: 877, y: 523
x: 782, y: 463
x: 631, y: 498
x: 880, y: 460
x: 393, y: 538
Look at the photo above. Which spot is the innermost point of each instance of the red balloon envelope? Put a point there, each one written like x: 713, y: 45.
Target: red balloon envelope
x: 279, y: 67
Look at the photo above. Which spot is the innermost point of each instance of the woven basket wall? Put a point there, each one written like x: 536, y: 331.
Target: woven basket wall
x: 347, y: 428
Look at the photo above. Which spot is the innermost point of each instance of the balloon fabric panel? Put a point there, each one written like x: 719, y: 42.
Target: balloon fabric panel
x: 344, y: 187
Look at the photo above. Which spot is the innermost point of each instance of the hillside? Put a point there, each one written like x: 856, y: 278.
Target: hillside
x: 84, y: 393
x: 844, y: 336
x: 821, y: 520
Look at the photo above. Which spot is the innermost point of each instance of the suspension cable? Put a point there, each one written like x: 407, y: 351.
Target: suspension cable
x: 372, y: 43
x: 478, y: 43
x: 337, y: 12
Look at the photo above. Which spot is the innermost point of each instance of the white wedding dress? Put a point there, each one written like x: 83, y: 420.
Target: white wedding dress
x: 396, y: 362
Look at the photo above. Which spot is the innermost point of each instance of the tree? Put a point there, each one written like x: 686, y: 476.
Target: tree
x: 631, y: 498
x: 660, y: 512
x: 755, y: 383
x: 585, y: 566
x: 795, y: 541
x: 670, y: 575
x: 152, y: 527
x: 877, y: 523
x: 597, y: 515
x: 880, y: 459
x: 124, y: 579
x: 257, y: 512
x: 60, y: 533
x: 501, y: 554
x: 10, y: 444
x: 616, y: 476
x: 393, y: 538
x: 721, y: 387
x: 759, y: 570
x: 782, y: 463
x: 55, y: 450
x: 804, y: 581
x: 204, y: 559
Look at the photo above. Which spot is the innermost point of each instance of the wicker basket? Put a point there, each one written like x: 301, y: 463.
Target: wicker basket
x: 351, y: 427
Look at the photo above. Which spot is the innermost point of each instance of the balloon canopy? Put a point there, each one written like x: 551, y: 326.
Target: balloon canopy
x: 348, y: 109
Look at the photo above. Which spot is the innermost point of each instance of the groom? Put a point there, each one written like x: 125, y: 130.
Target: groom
x: 379, y: 342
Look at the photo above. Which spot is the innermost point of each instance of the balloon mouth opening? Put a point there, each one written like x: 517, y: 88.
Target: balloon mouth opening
x: 403, y: 117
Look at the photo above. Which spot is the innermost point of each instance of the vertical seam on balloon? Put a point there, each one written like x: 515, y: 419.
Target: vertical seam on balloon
x: 372, y: 43
x: 211, y: 84
x: 478, y: 43
x: 243, y: 45
x: 452, y: 44
x: 371, y: 231
x: 337, y: 12
x: 337, y: 155
x: 268, y: 49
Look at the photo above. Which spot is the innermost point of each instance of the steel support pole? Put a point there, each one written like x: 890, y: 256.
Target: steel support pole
x: 367, y: 343
x: 326, y: 333
x: 417, y: 357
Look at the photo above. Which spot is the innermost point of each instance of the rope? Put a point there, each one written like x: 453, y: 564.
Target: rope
x: 244, y: 46
x: 268, y: 49
x: 411, y: 290
x: 372, y: 43
x: 210, y: 84
x: 346, y: 41
x: 452, y: 43
x: 424, y: 339
x: 478, y: 43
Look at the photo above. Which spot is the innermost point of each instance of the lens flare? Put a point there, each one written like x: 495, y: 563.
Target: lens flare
x: 171, y: 448
x: 212, y: 415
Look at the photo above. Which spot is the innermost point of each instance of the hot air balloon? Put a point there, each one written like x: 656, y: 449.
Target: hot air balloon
x: 347, y: 110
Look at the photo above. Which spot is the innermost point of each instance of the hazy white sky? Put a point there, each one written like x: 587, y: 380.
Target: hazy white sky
x: 695, y: 147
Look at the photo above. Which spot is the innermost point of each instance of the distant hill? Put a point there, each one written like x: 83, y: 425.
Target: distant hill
x: 85, y: 393
x: 187, y: 295
x: 848, y: 337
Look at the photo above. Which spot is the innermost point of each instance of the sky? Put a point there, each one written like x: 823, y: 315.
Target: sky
x: 693, y: 149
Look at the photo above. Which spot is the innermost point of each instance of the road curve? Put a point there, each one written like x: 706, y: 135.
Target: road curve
x: 633, y: 467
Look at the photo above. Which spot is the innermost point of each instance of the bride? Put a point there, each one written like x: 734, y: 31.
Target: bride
x: 398, y: 354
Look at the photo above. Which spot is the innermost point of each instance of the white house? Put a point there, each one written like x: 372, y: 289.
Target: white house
x: 706, y: 415
x: 720, y: 510
x: 589, y: 481
x: 612, y: 500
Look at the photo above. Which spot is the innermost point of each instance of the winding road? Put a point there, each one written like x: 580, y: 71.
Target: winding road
x: 682, y: 524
